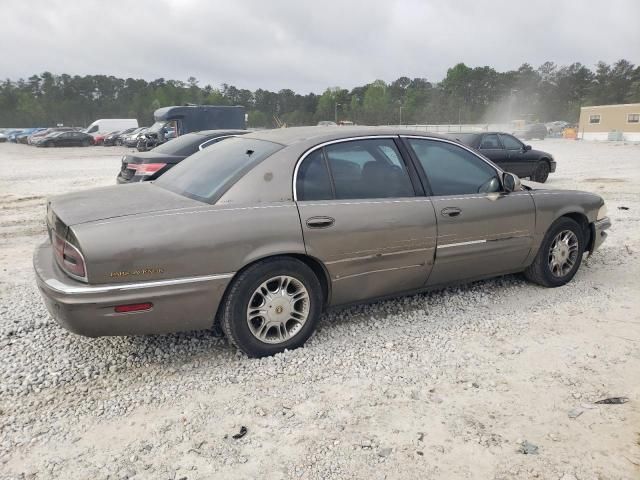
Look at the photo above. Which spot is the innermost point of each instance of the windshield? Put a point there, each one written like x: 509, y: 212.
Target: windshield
x: 206, y: 175
x: 185, y: 145
x: 156, y: 127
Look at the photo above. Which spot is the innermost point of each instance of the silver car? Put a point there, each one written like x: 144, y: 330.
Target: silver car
x: 259, y: 234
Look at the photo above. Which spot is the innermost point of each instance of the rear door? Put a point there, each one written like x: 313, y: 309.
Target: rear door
x: 482, y: 230
x: 518, y: 163
x: 364, y: 217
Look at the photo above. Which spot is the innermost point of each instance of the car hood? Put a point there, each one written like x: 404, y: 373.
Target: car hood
x: 116, y: 201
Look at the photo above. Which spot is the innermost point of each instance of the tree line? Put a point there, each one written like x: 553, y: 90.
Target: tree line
x: 465, y: 95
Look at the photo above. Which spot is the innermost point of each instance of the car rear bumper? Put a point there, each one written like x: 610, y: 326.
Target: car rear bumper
x: 599, y: 232
x: 180, y: 304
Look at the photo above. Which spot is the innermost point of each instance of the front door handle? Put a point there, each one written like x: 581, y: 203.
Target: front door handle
x: 451, y: 212
x: 320, y: 222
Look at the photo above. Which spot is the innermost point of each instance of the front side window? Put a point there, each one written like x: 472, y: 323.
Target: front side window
x: 511, y: 143
x: 452, y: 170
x: 490, y: 142
x: 594, y: 118
x: 207, y: 174
x: 313, y: 181
x: 633, y: 118
x: 370, y: 168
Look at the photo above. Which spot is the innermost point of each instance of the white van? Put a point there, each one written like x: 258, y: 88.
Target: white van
x: 108, y: 125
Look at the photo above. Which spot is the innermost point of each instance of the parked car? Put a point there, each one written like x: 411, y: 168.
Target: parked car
x: 131, y: 140
x: 65, y: 139
x: 34, y: 138
x: 8, y: 134
x: 531, y: 131
x: 262, y: 232
x: 145, y: 166
x: 554, y: 129
x: 23, y: 137
x: 114, y: 138
x: 510, y: 154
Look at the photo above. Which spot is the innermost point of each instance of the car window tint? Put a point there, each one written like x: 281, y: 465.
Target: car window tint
x: 452, y: 170
x: 368, y: 169
x: 313, y: 182
x: 511, y: 143
x: 207, y: 174
x: 490, y: 142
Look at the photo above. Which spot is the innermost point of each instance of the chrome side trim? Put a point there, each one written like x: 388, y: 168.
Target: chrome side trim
x: 58, y: 286
x: 337, y: 279
x: 460, y: 244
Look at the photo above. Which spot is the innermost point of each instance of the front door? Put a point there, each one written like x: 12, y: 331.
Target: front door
x: 362, y: 219
x: 518, y: 163
x: 482, y: 230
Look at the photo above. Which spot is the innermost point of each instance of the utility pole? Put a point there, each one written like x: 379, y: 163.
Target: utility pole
x: 335, y: 112
x: 401, y: 115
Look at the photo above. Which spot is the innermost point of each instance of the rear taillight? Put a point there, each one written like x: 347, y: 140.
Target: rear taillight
x: 146, y: 169
x: 69, y: 257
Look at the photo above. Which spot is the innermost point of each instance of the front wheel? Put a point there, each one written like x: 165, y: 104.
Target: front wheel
x: 541, y: 173
x: 559, y: 256
x: 85, y: 143
x: 271, y: 306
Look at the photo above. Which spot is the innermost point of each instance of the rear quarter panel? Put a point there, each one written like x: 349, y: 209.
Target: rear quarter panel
x: 192, y: 242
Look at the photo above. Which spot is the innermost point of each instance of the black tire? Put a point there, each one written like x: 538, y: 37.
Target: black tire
x: 49, y: 144
x: 541, y: 173
x: 540, y: 271
x: 233, y: 312
x: 85, y: 143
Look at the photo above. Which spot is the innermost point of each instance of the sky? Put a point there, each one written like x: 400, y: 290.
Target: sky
x: 308, y: 46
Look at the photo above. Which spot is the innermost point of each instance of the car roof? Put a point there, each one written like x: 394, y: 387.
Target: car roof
x: 293, y: 135
x: 207, y: 133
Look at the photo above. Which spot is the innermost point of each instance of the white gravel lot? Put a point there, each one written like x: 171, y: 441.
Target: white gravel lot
x: 442, y: 385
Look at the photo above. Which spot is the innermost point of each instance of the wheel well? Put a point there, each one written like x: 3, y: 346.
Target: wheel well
x: 583, y: 221
x: 545, y: 159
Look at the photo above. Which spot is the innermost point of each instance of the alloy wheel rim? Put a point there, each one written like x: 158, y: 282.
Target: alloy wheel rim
x: 563, y: 253
x: 278, y: 309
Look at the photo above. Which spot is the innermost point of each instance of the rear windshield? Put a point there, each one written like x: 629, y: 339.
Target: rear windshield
x: 184, y: 145
x: 206, y: 175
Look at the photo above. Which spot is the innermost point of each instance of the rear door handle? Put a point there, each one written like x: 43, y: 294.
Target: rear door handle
x: 451, y: 212
x: 320, y: 222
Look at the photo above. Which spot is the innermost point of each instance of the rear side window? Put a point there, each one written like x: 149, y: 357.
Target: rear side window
x: 207, y: 174
x: 452, y: 170
x: 313, y: 182
x: 369, y: 168
x: 183, y: 146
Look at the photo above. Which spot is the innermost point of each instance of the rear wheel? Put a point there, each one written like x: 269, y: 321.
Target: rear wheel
x: 541, y: 173
x: 559, y: 256
x: 271, y: 306
x: 49, y: 144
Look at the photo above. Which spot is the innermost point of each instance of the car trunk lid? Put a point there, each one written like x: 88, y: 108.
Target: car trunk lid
x: 116, y: 201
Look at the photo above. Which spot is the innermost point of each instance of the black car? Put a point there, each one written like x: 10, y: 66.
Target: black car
x: 115, y: 138
x: 65, y: 139
x: 510, y: 154
x: 145, y: 166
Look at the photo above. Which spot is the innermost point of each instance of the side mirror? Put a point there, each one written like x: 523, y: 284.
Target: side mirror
x: 527, y: 148
x: 510, y: 182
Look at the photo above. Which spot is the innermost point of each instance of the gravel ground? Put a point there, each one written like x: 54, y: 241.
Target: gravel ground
x: 460, y: 383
